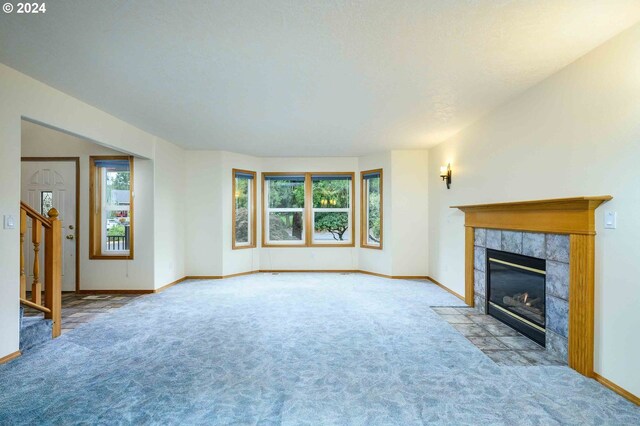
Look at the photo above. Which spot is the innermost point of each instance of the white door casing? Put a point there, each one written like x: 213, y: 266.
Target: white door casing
x: 57, y: 179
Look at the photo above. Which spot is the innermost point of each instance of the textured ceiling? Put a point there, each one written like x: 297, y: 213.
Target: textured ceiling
x: 313, y: 78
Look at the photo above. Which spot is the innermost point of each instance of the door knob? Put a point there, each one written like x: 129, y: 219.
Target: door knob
x: 69, y: 237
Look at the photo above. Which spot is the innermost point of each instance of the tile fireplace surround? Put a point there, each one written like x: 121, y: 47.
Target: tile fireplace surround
x: 554, y: 249
x: 562, y: 231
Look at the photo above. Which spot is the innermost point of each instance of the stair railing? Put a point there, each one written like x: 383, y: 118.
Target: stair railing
x: 52, y: 306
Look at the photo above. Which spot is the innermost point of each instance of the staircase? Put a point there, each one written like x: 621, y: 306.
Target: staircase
x: 34, y: 330
x: 38, y: 329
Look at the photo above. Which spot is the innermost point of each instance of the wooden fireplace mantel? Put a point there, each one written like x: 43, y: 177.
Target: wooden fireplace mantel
x: 558, y: 216
x: 572, y: 216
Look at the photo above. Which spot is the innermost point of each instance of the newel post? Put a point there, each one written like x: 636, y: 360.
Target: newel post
x: 53, y: 271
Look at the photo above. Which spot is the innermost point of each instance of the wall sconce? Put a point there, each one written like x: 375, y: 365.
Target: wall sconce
x: 445, y: 174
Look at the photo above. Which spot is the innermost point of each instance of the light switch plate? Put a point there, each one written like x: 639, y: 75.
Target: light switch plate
x: 610, y: 219
x: 9, y: 221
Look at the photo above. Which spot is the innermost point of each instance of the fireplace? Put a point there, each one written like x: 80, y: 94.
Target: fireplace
x: 516, y: 292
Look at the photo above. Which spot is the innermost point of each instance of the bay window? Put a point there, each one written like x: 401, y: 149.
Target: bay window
x: 308, y: 209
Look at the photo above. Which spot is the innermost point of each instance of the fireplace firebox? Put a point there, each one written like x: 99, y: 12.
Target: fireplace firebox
x: 516, y: 292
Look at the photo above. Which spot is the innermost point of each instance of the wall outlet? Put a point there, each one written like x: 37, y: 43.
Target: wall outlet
x: 610, y: 219
x: 9, y: 221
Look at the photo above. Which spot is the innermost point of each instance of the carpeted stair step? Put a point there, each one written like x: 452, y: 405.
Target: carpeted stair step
x: 34, y: 331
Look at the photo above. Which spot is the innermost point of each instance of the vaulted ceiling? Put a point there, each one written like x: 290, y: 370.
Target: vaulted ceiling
x: 312, y: 78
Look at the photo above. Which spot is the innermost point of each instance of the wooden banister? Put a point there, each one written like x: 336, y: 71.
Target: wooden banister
x: 33, y: 214
x: 35, y: 306
x: 52, y: 307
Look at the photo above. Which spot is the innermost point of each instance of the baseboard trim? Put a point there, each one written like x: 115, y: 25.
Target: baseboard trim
x: 410, y: 277
x: 218, y: 277
x: 284, y: 271
x: 115, y: 291
x: 203, y: 277
x: 393, y: 277
x: 10, y: 357
x: 444, y: 287
x: 239, y: 274
x: 292, y: 271
x: 617, y: 389
x: 171, y: 284
x: 329, y: 271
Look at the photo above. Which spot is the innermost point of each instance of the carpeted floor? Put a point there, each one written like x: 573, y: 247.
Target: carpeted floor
x: 290, y: 349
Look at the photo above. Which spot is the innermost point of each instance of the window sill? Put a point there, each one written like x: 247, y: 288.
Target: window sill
x: 235, y: 247
x: 332, y: 245
x: 113, y: 257
x: 271, y: 245
x: 371, y: 247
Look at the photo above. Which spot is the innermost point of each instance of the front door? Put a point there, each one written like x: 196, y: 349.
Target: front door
x: 47, y: 184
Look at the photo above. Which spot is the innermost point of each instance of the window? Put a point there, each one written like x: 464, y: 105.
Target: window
x: 46, y: 202
x: 111, y: 208
x: 331, y: 213
x: 244, y: 209
x: 284, y: 198
x: 371, y: 209
x: 307, y: 209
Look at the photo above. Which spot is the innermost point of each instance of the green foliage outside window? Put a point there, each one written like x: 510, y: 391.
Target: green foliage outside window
x: 337, y: 223
x: 332, y: 194
x: 118, y: 180
x: 116, y: 231
x: 242, y: 210
x: 374, y: 209
x: 285, y: 194
x: 285, y: 226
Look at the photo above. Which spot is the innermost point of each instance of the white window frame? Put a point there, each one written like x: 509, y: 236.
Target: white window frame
x: 106, y: 208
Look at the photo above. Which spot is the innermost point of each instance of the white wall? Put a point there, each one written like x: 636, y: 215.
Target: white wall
x: 204, y: 206
x: 577, y: 133
x: 40, y: 141
x: 22, y: 96
x: 409, y: 206
x: 169, y: 214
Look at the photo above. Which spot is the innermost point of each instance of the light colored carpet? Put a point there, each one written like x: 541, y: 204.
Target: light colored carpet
x: 290, y: 349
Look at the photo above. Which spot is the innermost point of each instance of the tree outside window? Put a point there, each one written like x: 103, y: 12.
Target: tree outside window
x: 331, y: 209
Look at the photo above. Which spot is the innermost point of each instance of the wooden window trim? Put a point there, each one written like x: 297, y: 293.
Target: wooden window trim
x: 308, y: 210
x: 364, y: 232
x: 252, y: 212
x: 95, y: 209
